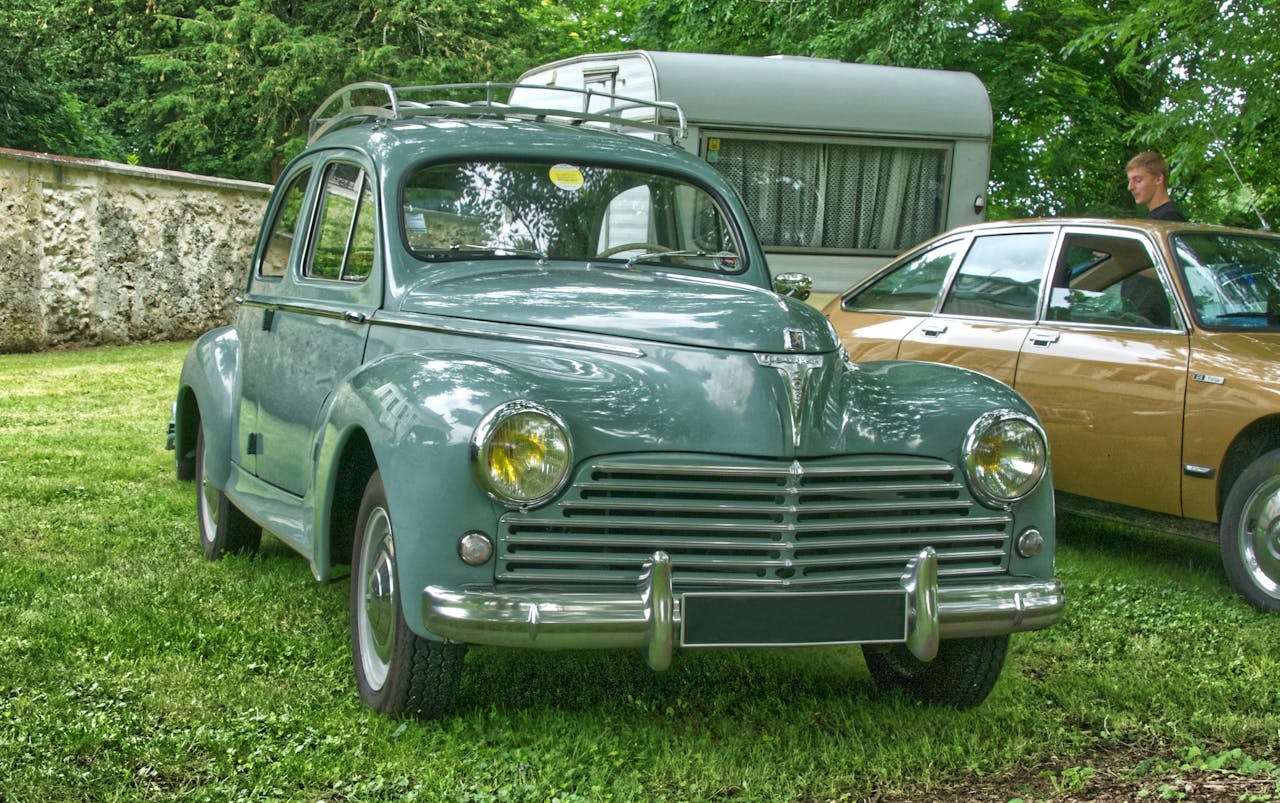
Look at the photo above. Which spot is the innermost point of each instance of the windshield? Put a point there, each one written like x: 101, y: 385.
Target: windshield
x: 536, y: 210
x: 1233, y: 279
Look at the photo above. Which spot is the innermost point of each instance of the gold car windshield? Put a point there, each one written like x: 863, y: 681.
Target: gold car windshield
x: 1233, y: 279
x: 493, y: 209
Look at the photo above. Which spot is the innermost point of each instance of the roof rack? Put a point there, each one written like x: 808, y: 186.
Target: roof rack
x: 371, y: 101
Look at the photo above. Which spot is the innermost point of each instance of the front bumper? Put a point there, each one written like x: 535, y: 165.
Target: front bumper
x: 650, y: 617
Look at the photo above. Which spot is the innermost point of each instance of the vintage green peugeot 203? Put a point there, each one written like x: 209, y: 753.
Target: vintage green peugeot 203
x: 525, y: 371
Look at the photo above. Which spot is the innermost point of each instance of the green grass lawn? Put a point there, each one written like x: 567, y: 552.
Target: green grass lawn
x: 132, y: 669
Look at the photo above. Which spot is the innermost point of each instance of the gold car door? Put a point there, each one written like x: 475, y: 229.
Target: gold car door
x: 989, y: 307
x: 1106, y: 370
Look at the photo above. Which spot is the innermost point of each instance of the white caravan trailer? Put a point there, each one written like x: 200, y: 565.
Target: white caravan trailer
x: 842, y: 166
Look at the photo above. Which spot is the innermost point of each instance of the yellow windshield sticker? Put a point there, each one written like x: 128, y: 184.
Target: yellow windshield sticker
x: 566, y: 177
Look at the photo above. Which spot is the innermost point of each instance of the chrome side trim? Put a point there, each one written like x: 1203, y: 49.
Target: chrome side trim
x: 648, y: 617
x: 308, y: 309
x: 411, y: 322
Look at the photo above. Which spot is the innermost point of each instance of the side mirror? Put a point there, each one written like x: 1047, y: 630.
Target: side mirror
x: 793, y: 285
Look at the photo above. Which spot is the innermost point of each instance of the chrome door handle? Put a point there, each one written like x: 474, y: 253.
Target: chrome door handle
x: 932, y: 329
x: 1043, y: 338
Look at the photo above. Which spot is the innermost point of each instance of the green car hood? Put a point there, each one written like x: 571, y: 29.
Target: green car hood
x: 677, y: 309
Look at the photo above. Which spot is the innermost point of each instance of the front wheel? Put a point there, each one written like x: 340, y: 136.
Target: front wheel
x: 1249, y: 537
x: 397, y: 671
x: 960, y: 676
x: 224, y: 529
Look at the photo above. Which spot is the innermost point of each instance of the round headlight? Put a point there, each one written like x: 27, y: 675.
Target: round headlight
x: 521, y: 453
x: 1005, y: 456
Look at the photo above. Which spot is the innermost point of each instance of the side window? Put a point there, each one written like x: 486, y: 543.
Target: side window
x: 1000, y: 277
x: 344, y: 230
x: 1101, y: 279
x: 913, y: 287
x: 627, y: 219
x: 284, y: 230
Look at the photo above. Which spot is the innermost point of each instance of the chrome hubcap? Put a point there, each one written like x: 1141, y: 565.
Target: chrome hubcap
x: 377, y: 599
x: 1260, y: 537
x: 208, y: 502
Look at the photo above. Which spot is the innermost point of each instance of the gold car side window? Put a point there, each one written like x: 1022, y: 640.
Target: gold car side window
x: 913, y: 287
x: 1110, y: 281
x: 1000, y: 276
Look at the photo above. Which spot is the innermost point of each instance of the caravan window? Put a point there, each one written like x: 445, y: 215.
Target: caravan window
x: 827, y: 195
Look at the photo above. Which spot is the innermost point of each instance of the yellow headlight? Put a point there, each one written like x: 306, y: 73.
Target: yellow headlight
x: 1005, y: 456
x: 521, y: 453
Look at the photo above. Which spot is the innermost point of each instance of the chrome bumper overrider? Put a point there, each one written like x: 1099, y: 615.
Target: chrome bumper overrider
x: 649, y: 616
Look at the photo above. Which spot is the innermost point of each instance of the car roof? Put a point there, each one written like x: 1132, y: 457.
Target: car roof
x: 1157, y: 227
x: 409, y: 140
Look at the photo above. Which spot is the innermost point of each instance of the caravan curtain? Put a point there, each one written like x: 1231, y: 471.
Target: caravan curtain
x: 836, y: 196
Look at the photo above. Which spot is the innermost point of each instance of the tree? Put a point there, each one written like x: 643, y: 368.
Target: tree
x: 1218, y: 112
x: 39, y: 108
x: 227, y: 87
x: 1061, y: 118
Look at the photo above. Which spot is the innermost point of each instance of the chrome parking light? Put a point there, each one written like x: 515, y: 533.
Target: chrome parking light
x: 475, y: 548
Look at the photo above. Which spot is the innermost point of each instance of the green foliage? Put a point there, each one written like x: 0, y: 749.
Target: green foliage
x: 1076, y: 86
x: 1217, y: 111
x: 39, y: 109
x: 132, y: 669
x: 227, y: 88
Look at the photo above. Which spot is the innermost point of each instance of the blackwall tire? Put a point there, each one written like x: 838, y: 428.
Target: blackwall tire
x: 961, y: 676
x: 398, y: 673
x: 224, y: 530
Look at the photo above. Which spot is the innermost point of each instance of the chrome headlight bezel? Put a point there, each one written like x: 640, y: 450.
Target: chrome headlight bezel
x: 993, y: 487
x: 495, y: 438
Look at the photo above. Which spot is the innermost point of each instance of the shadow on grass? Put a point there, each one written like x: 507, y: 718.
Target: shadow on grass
x: 1134, y: 542
x: 720, y: 682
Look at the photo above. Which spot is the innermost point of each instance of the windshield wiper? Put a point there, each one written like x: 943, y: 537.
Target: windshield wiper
x: 467, y: 250
x: 662, y: 256
x: 495, y: 250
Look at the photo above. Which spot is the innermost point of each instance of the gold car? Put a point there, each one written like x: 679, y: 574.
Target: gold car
x: 1149, y: 349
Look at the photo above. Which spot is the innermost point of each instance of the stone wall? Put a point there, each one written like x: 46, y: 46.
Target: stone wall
x: 94, y: 252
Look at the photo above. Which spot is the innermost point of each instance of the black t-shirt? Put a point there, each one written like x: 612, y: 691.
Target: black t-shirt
x: 1166, y: 211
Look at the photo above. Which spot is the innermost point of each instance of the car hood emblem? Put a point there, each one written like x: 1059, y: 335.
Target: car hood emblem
x: 795, y: 370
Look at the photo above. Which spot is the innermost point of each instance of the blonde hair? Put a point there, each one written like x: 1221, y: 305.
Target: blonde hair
x: 1152, y: 162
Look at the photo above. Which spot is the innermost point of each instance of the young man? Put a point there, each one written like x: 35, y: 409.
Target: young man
x: 1149, y: 183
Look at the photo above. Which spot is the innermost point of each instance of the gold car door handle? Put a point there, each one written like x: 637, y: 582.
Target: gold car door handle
x: 1043, y: 338
x: 932, y: 329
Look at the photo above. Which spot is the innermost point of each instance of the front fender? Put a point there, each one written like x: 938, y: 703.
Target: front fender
x: 915, y: 407
x: 206, y: 396
x: 417, y: 412
x: 897, y: 407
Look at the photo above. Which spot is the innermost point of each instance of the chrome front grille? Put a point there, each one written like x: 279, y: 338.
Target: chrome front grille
x: 740, y: 522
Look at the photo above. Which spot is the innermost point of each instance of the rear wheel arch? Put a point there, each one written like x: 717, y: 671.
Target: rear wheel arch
x: 186, y: 415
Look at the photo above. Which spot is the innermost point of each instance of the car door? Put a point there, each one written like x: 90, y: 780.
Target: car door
x: 873, y: 320
x: 313, y: 327
x: 1106, y: 370
x: 269, y: 286
x: 990, y: 304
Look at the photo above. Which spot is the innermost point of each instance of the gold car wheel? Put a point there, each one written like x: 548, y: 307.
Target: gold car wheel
x: 1250, y: 537
x: 1259, y: 540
